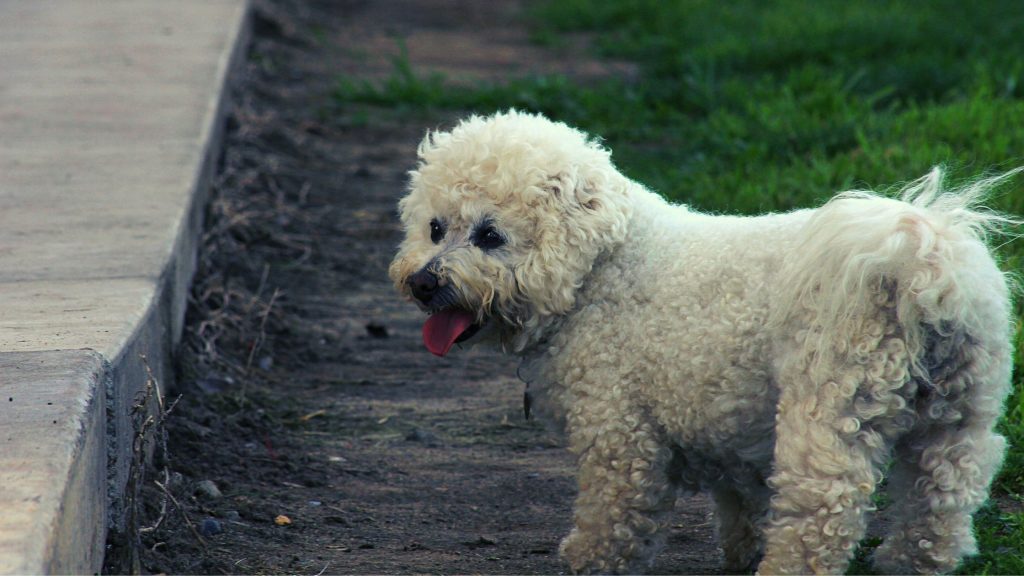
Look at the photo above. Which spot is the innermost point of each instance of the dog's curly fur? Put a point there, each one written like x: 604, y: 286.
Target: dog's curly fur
x: 782, y: 362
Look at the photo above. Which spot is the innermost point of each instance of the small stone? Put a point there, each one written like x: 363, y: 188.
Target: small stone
x: 420, y: 435
x: 482, y: 541
x: 213, y: 384
x: 282, y: 520
x: 197, y: 430
x: 376, y: 330
x: 210, y: 527
x: 485, y: 541
x: 232, y: 516
x: 266, y: 363
x: 314, y: 502
x: 208, y: 489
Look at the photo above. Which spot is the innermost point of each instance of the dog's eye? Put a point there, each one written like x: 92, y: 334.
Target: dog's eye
x: 436, y: 231
x: 488, y: 239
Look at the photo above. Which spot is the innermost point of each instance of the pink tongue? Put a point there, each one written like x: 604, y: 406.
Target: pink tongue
x: 444, y: 328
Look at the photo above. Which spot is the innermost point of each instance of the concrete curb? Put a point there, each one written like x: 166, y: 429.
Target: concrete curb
x: 110, y: 125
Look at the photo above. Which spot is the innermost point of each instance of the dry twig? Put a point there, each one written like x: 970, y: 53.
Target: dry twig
x: 184, y: 514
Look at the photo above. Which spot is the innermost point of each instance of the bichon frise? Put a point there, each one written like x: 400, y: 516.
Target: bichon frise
x: 782, y: 362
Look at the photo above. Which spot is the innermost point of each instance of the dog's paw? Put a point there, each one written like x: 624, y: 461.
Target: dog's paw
x: 590, y: 555
x: 582, y: 555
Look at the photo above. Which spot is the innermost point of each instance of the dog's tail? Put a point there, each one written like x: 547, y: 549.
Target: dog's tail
x: 926, y: 252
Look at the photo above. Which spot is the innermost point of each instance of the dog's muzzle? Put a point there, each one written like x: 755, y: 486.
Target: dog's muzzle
x: 449, y: 323
x: 423, y: 285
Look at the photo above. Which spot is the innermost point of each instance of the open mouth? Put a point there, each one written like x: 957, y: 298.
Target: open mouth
x: 446, y: 327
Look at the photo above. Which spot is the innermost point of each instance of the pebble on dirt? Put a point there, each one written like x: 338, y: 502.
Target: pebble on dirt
x: 208, y: 489
x: 482, y: 541
x: 214, y: 384
x: 421, y: 435
x: 210, y: 527
x: 196, y: 429
x: 377, y: 330
x: 282, y: 520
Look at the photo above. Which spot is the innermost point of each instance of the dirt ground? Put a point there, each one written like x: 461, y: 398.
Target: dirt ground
x: 334, y: 442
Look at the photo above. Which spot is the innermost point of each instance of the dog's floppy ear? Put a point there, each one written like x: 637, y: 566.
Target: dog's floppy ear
x: 587, y: 212
x: 574, y: 192
x: 595, y: 201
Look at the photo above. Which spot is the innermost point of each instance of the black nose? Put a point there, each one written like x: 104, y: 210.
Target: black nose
x: 423, y: 285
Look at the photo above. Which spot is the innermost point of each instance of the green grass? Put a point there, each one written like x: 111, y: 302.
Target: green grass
x: 749, y: 106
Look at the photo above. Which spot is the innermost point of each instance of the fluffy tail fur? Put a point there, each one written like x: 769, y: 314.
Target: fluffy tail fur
x: 927, y: 251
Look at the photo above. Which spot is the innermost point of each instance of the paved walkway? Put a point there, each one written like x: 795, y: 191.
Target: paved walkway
x: 108, y: 116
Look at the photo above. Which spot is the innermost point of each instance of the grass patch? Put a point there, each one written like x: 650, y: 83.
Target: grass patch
x: 1001, y: 539
x: 744, y: 107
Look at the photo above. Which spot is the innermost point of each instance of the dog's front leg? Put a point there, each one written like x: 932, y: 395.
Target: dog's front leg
x: 624, y: 495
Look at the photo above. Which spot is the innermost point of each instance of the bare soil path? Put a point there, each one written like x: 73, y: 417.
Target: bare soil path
x: 306, y: 391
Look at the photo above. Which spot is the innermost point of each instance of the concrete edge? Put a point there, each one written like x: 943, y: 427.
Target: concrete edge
x: 56, y: 462
x: 85, y: 491
x: 212, y: 138
x: 152, y: 344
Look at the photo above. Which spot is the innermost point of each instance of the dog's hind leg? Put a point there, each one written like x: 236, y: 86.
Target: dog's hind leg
x: 833, y: 434
x: 624, y: 495
x: 943, y: 468
x: 823, y: 491
x: 935, y: 488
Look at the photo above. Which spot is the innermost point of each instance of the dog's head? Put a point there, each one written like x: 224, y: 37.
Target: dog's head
x: 504, y: 218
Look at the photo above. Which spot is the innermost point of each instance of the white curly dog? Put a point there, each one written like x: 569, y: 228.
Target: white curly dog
x: 783, y: 362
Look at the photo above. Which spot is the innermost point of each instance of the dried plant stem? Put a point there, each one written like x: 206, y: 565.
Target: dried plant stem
x: 184, y: 514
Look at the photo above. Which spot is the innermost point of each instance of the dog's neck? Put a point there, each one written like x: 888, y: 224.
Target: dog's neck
x: 535, y: 340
